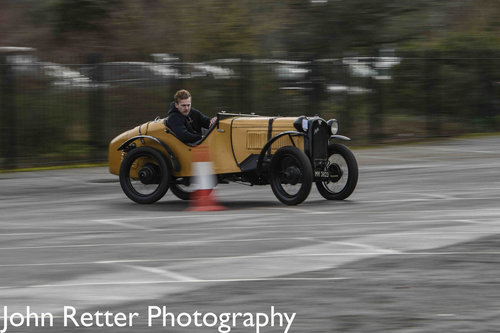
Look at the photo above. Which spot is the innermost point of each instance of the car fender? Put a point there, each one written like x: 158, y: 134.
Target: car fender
x: 267, y: 146
x: 340, y: 137
x: 173, y: 159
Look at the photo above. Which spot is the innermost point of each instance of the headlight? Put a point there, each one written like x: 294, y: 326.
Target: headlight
x: 301, y: 124
x: 334, y: 126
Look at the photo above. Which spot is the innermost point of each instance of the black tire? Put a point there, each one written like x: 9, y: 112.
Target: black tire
x: 144, y: 175
x: 344, y: 173
x: 291, y: 175
x: 181, y: 190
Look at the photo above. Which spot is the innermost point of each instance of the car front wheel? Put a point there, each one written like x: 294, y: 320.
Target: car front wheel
x: 291, y: 175
x: 343, y: 173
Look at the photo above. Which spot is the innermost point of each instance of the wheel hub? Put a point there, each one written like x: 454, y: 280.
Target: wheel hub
x: 292, y: 175
x: 149, y: 174
x: 335, y: 172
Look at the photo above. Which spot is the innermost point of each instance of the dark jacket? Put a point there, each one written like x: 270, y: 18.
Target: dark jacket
x: 187, y: 129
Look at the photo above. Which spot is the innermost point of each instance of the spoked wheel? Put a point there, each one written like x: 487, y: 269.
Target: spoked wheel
x: 181, y: 188
x: 291, y: 175
x: 144, y: 175
x: 343, y: 173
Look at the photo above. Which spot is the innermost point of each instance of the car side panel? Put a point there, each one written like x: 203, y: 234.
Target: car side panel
x: 233, y: 141
x: 217, y: 141
x: 249, y: 135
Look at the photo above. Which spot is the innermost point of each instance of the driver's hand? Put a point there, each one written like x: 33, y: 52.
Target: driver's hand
x: 213, y: 120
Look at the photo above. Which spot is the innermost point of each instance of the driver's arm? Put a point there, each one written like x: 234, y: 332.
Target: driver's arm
x: 204, y: 121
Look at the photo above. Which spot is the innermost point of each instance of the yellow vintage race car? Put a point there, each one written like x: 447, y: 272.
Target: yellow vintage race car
x: 289, y: 153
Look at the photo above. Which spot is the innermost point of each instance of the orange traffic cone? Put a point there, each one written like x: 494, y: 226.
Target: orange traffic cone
x: 203, y: 197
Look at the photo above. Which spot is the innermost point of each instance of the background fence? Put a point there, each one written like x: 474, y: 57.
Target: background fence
x: 54, y: 113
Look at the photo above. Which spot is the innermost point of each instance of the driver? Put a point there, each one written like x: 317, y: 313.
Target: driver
x: 185, y: 121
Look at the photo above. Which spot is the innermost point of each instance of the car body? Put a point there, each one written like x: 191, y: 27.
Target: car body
x: 289, y: 153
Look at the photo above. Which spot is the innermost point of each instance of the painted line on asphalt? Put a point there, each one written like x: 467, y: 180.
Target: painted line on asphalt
x: 387, y: 252
x: 441, y: 199
x: 394, y: 211
x: 463, y: 151
x: 218, y: 216
x: 124, y: 224
x: 264, y: 267
x: 338, y: 212
x: 260, y: 226
x: 374, y: 249
x: 92, y: 232
x: 302, y: 211
x: 253, y: 219
x: 162, y: 272
x: 175, y: 243
x: 243, y: 257
x: 52, y: 203
x: 112, y: 286
x: 309, y: 225
x: 211, y: 241
x: 333, y: 224
x: 119, y: 283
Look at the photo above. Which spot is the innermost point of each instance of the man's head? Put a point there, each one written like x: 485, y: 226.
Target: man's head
x: 182, y: 100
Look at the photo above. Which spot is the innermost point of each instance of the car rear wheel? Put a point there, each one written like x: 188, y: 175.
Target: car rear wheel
x: 144, y: 175
x: 181, y: 188
x: 291, y: 175
x: 343, y: 171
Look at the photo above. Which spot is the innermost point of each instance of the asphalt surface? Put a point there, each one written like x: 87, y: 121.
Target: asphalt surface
x: 414, y: 249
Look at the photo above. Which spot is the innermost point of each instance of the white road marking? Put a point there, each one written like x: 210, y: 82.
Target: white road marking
x: 124, y: 224
x: 260, y: 226
x: 374, y: 249
x: 96, y: 232
x: 148, y: 282
x: 441, y: 199
x: 243, y: 257
x: 220, y: 216
x: 170, y: 275
x: 463, y: 151
x: 229, y: 240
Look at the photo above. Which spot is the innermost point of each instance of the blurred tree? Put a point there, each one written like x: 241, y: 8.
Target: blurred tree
x: 213, y: 28
x: 80, y: 15
x: 333, y: 28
